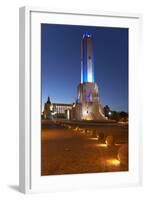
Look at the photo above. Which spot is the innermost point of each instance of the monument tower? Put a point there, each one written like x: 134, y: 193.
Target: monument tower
x: 87, y: 59
x: 87, y: 106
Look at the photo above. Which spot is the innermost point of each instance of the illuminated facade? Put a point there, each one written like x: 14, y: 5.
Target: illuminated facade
x: 56, y: 110
x: 87, y: 105
x: 61, y: 108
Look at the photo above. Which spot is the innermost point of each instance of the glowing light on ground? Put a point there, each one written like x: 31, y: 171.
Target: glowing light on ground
x: 101, y: 145
x: 93, y: 138
x: 113, y: 162
x: 117, y: 145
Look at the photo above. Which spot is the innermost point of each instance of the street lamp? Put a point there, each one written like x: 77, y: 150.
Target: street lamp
x: 109, y: 113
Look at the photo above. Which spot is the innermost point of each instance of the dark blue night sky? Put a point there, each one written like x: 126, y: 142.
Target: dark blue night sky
x: 61, y: 64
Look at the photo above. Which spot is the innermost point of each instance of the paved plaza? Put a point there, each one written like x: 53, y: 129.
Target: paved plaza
x: 73, y: 148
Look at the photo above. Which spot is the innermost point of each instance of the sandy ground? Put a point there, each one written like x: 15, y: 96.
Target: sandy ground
x: 66, y: 151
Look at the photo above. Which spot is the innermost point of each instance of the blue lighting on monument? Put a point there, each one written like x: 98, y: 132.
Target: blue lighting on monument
x: 87, y: 59
x: 87, y: 35
x: 85, y: 78
x: 87, y: 98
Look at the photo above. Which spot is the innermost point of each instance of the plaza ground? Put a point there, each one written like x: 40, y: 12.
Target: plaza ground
x: 79, y: 147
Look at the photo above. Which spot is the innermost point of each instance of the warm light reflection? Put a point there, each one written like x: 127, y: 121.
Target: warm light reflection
x: 113, y: 162
x: 117, y: 144
x: 101, y: 145
x: 93, y: 139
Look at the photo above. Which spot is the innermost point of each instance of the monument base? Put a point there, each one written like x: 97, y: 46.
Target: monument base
x: 87, y: 106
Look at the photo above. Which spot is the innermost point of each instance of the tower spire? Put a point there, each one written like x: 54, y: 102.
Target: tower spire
x: 87, y: 59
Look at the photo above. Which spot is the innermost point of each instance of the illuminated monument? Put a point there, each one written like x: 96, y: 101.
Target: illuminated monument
x: 87, y: 106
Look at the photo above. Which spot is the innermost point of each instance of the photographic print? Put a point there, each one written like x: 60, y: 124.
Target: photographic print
x: 84, y: 99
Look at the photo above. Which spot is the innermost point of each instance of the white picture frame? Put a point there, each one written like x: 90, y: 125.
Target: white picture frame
x: 30, y: 70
